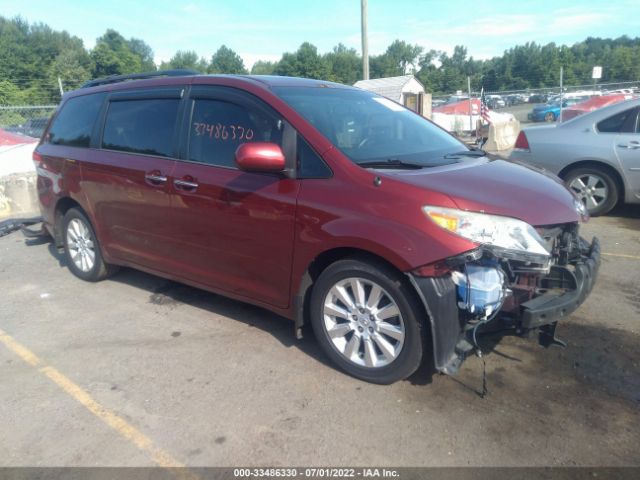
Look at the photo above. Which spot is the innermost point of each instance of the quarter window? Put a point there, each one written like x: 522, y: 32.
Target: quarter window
x: 141, y: 126
x: 73, y: 125
x: 615, y: 123
x: 217, y: 129
x: 310, y: 165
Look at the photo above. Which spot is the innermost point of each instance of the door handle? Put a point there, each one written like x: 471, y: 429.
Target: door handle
x: 631, y: 146
x: 155, y: 178
x: 185, y: 185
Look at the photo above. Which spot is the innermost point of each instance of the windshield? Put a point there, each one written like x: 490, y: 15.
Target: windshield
x: 367, y: 127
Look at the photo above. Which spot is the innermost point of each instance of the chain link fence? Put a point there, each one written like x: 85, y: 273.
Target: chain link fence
x: 26, y: 120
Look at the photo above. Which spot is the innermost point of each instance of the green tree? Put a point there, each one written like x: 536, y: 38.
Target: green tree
x: 304, y: 62
x: 344, y: 64
x: 262, y: 67
x: 113, y: 56
x: 185, y: 59
x: 400, y: 58
x: 144, y: 52
x: 226, y: 60
x: 73, y: 67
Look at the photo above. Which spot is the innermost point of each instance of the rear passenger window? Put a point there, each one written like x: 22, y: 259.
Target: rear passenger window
x: 141, y: 126
x: 73, y: 125
x: 217, y: 129
x: 615, y: 123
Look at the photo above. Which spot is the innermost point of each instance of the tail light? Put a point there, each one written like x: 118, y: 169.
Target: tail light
x: 521, y: 142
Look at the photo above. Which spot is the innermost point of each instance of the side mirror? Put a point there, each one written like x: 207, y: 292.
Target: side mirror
x: 260, y: 157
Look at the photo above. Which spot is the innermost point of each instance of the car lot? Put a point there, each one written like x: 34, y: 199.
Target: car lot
x: 137, y: 370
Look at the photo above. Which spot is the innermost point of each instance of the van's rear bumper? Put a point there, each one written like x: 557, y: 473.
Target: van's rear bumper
x: 564, y: 290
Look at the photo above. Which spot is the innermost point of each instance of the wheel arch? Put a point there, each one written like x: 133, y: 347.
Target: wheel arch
x: 62, y: 207
x: 598, y: 165
x: 302, y: 297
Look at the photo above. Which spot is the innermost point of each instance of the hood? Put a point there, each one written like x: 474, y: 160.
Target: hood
x: 499, y: 187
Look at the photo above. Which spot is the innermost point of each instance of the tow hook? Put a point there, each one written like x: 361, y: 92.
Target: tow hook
x: 547, y: 336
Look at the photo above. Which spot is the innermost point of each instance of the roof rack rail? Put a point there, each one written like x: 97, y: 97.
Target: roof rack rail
x: 138, y: 76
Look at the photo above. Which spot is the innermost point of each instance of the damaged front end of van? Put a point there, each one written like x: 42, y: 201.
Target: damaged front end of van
x: 520, y: 280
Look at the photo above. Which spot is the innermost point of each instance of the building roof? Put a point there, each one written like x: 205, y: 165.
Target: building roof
x: 390, y: 87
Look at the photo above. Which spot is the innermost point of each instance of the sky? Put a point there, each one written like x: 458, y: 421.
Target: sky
x: 263, y: 30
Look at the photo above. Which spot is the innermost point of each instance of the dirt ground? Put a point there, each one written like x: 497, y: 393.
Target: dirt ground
x: 136, y: 370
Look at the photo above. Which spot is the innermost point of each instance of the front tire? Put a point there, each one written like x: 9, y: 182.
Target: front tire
x: 550, y: 117
x: 82, y: 249
x: 368, y: 320
x: 595, y: 188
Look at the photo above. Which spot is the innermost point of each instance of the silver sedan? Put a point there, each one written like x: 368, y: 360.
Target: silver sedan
x: 597, y: 154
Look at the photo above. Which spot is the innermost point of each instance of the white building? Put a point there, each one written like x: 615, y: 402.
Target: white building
x: 406, y: 90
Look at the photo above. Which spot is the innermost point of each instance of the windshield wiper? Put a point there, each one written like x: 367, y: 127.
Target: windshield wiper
x: 466, y: 153
x: 391, y: 163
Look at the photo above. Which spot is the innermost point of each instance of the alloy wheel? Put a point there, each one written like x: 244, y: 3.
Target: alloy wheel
x: 81, y: 245
x: 590, y: 189
x: 363, y: 322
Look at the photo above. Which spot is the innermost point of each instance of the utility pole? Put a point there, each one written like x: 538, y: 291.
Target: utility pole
x: 365, y: 41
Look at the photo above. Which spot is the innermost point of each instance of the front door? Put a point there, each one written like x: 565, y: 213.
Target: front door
x: 236, y: 228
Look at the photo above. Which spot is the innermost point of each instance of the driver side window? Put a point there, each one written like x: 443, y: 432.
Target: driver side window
x: 217, y: 128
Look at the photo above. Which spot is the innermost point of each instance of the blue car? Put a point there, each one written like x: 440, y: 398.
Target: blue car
x: 549, y: 112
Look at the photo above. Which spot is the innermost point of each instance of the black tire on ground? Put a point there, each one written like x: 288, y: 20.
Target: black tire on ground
x: 605, y: 178
x: 550, y: 117
x: 100, y: 269
x: 409, y: 357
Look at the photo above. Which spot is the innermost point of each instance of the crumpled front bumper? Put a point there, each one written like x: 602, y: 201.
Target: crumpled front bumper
x: 561, y: 300
x: 562, y: 292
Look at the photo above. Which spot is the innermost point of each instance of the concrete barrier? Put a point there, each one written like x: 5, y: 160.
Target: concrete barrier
x: 18, y: 179
x: 503, y: 132
x: 18, y: 196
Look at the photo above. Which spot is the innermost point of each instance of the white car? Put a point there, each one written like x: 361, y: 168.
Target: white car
x: 597, y: 154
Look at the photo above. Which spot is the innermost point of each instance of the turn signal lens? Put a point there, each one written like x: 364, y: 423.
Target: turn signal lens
x: 445, y: 221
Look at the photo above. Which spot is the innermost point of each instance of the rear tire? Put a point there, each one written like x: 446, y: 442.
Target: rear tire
x: 82, y: 249
x: 595, y: 188
x: 550, y: 117
x: 368, y: 321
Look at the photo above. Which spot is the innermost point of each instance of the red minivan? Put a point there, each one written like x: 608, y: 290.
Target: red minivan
x: 321, y: 202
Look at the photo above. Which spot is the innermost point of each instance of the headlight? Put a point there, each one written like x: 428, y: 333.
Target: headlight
x: 510, y: 237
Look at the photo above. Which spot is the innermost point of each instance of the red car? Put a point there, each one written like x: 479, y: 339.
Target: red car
x: 321, y: 202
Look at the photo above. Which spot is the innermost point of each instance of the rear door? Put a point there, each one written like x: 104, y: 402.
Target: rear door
x: 628, y: 150
x: 128, y: 174
x: 235, y: 228
x: 623, y: 131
